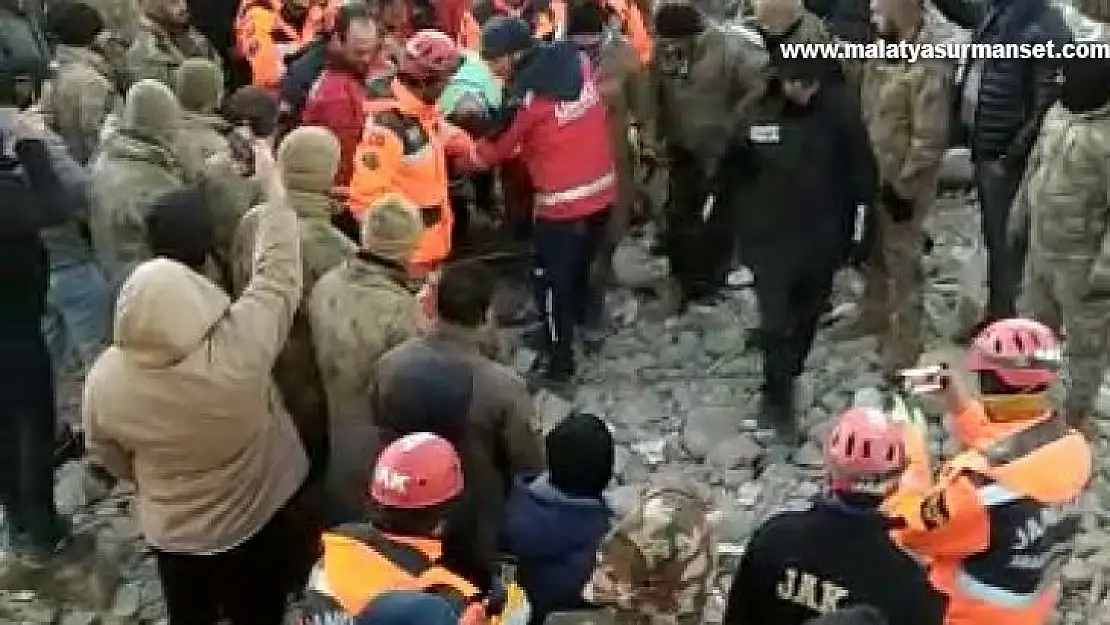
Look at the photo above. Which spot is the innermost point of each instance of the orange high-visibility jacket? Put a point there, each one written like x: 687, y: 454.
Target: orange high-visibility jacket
x: 264, y: 39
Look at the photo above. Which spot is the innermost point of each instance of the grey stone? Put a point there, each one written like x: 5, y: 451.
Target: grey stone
x: 809, y: 456
x: 738, y: 451
x: 708, y: 426
x: 623, y: 499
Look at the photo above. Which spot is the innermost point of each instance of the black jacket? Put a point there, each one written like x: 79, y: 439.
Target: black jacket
x: 795, y: 195
x: 34, y: 198
x: 1014, y: 94
x: 847, y: 551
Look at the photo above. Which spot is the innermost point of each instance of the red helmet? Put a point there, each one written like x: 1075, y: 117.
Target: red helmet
x: 430, y: 55
x: 417, y: 471
x: 1022, y: 353
x: 864, y: 448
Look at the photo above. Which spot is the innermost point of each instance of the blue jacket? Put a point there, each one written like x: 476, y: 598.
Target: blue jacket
x: 555, y: 539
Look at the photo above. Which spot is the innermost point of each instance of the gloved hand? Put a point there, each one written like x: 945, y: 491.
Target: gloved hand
x: 899, y: 209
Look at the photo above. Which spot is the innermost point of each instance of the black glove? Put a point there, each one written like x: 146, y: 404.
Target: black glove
x: 899, y: 209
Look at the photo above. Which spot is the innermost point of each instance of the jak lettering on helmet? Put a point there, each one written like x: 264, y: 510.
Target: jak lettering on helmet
x: 392, y: 480
x: 934, y: 511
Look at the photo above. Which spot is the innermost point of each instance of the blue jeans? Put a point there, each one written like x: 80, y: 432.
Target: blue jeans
x: 78, y: 313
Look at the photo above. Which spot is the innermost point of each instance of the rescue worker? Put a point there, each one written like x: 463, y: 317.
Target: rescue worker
x: 657, y: 565
x: 555, y: 102
x: 165, y: 39
x: 621, y: 83
x: 134, y: 165
x: 415, y: 479
x: 268, y: 31
x: 358, y: 311
x: 440, y: 381
x: 406, y: 144
x: 1000, y: 105
x: 1067, y: 276
x: 998, y: 525
x: 836, y: 552
x: 308, y: 159
x: 202, y: 133
x: 695, y: 115
x: 906, y: 109
x: 805, y: 159
x: 546, y: 19
x: 82, y: 91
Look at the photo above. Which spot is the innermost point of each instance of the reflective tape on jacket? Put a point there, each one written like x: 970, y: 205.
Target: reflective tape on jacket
x: 580, y: 192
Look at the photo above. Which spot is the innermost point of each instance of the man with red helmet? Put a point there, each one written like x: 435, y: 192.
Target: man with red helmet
x: 406, y: 143
x: 802, y: 564
x: 998, y: 523
x: 415, y: 479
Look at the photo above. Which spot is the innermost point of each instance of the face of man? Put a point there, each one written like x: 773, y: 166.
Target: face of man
x: 502, y: 66
x: 362, y: 46
x: 799, y: 92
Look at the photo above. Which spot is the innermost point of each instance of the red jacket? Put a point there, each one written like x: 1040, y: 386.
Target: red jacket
x: 337, y: 102
x: 565, y: 148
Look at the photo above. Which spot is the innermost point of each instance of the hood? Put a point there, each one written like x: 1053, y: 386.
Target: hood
x: 311, y: 205
x: 547, y: 524
x: 550, y: 70
x: 165, y: 311
x: 70, y: 55
x: 123, y: 145
x: 216, y: 123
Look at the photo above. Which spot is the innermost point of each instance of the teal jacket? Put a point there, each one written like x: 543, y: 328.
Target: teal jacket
x: 473, y: 75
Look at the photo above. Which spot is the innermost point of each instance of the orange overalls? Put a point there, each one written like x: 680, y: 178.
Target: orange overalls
x: 997, y: 524
x: 404, y: 149
x: 264, y: 39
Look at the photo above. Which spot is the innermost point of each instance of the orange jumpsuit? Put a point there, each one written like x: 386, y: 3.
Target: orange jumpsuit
x: 264, y: 39
x: 997, y: 524
x: 404, y: 149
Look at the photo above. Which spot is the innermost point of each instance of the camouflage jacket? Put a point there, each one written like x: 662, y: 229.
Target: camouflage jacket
x: 126, y: 175
x: 906, y: 109
x: 199, y: 137
x: 1066, y: 189
x: 79, y: 98
x: 156, y: 53
x: 322, y: 248
x: 358, y: 311
x: 121, y: 21
x: 658, y: 565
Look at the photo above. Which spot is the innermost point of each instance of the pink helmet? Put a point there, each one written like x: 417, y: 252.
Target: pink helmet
x: 1022, y: 353
x: 864, y: 451
x: 430, y: 55
x: 417, y: 471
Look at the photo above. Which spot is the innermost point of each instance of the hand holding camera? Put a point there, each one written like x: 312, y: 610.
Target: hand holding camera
x: 925, y: 380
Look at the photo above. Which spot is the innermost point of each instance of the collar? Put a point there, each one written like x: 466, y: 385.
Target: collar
x: 365, y: 263
x: 312, y: 204
x: 66, y: 55
x: 410, y: 103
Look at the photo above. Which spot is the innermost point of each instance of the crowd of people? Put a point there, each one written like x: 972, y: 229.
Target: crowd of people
x: 289, y: 347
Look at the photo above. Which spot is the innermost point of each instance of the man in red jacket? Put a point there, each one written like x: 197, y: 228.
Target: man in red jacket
x: 556, y: 124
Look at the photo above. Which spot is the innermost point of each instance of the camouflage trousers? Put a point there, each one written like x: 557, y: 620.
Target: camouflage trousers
x: 895, y: 281
x: 1054, y: 293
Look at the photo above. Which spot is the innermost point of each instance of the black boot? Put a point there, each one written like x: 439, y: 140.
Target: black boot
x: 776, y: 412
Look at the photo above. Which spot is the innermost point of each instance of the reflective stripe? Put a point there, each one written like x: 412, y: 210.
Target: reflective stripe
x: 580, y: 192
x: 994, y: 595
x: 996, y: 495
x: 318, y: 582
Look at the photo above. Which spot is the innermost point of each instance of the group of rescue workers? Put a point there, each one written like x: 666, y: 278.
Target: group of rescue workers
x: 300, y: 375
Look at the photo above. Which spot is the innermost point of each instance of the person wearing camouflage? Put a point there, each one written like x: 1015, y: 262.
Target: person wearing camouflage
x: 658, y: 564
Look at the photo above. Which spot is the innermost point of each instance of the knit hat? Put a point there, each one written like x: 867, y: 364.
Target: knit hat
x: 403, y: 607
x: 179, y: 227
x: 503, y: 35
x: 391, y: 228
x: 199, y: 85
x: 429, y: 391
x: 580, y: 455
x: 252, y: 106
x: 309, y: 159
x: 1086, y: 84
x: 150, y: 111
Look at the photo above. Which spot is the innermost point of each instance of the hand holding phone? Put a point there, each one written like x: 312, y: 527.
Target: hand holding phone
x: 924, y: 380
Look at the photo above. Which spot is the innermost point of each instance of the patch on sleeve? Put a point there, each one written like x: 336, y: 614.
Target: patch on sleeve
x: 934, y: 511
x: 370, y: 160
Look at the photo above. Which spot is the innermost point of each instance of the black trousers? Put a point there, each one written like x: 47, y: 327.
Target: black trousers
x: 247, y: 585
x: 997, y: 184
x: 699, y: 250
x: 27, y: 427
x: 565, y: 252
x: 792, y: 294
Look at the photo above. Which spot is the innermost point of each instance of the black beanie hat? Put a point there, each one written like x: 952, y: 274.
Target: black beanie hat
x: 1086, y: 84
x: 179, y: 227
x: 580, y: 455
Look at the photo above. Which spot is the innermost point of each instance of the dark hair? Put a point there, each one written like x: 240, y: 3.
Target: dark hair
x: 678, y: 21
x: 74, y: 23
x: 580, y: 455
x: 465, y: 293
x: 585, y: 17
x: 254, y: 107
x: 350, y: 13
x: 417, y: 522
x: 179, y: 227
x: 854, y: 615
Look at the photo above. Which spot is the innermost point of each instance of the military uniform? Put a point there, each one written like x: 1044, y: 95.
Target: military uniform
x: 701, y: 88
x: 156, y: 53
x: 658, y: 565
x: 79, y: 98
x: 906, y: 110
x: 1067, y: 274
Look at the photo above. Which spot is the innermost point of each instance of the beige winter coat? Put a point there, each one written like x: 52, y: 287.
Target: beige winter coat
x: 183, y: 403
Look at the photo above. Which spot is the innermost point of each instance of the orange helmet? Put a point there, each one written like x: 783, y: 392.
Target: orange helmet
x: 864, y: 451
x: 1021, y: 353
x: 420, y: 470
x: 430, y: 55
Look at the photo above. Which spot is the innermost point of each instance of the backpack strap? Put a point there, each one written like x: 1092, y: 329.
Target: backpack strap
x: 1026, y: 441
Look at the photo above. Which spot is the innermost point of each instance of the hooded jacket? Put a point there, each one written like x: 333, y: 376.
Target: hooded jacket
x: 135, y: 165
x: 308, y: 159
x: 198, y: 84
x: 554, y: 538
x: 79, y: 98
x: 182, y: 402
x: 337, y: 101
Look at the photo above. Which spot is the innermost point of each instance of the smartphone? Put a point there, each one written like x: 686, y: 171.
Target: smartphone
x: 240, y: 141
x: 922, y: 380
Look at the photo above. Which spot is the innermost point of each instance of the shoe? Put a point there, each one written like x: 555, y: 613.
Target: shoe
x: 776, y: 418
